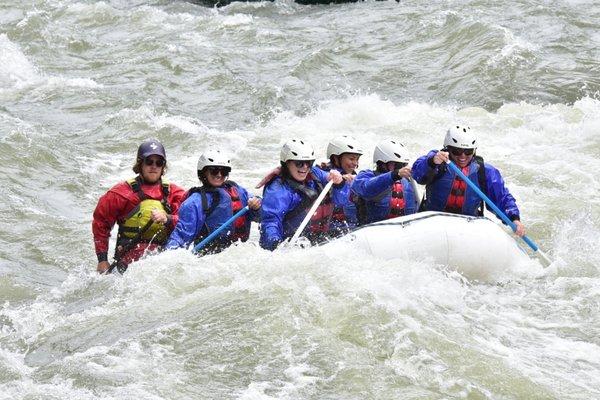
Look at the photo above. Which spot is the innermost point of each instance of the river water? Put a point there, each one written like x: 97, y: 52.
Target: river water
x: 82, y: 83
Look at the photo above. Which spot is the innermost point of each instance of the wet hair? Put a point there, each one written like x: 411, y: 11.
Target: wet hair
x: 332, y: 160
x: 285, y: 171
x: 137, y: 167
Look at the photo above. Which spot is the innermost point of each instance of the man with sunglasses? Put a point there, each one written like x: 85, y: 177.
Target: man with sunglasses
x: 387, y: 192
x: 207, y: 207
x: 445, y: 191
x: 144, y: 207
x: 288, y: 196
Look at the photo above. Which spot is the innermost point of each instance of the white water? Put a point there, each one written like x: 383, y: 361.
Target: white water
x: 82, y: 83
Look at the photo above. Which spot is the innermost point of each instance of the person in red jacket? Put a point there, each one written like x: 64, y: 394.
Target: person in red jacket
x: 144, y: 207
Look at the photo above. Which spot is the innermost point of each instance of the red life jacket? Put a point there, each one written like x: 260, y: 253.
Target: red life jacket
x: 338, y: 214
x: 319, y: 222
x: 397, y: 202
x: 318, y: 226
x: 456, y: 198
x: 239, y: 225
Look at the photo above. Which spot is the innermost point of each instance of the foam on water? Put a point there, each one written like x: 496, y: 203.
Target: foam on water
x: 81, y: 84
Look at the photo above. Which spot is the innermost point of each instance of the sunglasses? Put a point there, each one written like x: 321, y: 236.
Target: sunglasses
x: 455, y: 151
x: 158, y: 162
x: 301, y: 163
x: 214, y: 171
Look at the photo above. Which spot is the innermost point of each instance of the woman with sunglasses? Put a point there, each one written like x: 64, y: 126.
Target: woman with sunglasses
x: 207, y: 207
x: 344, y: 153
x: 445, y: 191
x: 387, y: 192
x: 144, y: 207
x: 288, y: 196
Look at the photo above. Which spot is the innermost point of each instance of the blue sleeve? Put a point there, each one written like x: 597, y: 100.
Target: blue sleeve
x: 422, y: 171
x: 499, y: 194
x: 275, y: 204
x: 253, y: 215
x: 367, y: 185
x: 191, y: 220
x: 410, y: 205
x: 339, y: 194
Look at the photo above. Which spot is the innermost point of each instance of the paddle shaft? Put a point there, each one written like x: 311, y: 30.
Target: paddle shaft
x: 311, y: 212
x: 498, y: 212
x: 220, y: 229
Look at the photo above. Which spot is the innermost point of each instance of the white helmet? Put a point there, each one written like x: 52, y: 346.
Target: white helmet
x: 343, y: 144
x: 213, y: 158
x: 390, y: 150
x: 461, y: 137
x: 296, y: 149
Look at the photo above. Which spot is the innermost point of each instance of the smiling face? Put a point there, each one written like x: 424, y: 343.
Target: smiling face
x: 299, y: 169
x: 347, y: 162
x: 461, y: 157
x: 152, y: 168
x: 216, y: 176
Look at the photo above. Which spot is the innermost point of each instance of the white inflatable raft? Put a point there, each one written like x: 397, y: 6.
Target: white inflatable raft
x: 474, y: 246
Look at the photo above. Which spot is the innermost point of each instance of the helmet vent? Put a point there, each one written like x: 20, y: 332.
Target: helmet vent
x: 397, y: 155
x: 465, y: 130
x: 454, y: 140
x: 392, y: 141
x: 351, y: 147
x: 211, y: 160
x: 294, y: 153
x: 473, y: 142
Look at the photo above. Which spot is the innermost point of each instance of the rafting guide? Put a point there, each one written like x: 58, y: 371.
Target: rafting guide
x: 144, y: 207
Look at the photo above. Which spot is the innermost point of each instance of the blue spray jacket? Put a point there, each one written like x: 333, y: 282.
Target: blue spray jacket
x: 439, y: 178
x: 348, y: 208
x: 279, y: 198
x: 376, y: 190
x: 193, y: 220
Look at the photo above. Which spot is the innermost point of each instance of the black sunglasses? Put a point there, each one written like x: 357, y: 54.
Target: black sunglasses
x: 301, y: 163
x: 457, y: 152
x: 214, y: 171
x: 158, y: 162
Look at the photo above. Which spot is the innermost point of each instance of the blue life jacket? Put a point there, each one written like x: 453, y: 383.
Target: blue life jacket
x: 375, y: 197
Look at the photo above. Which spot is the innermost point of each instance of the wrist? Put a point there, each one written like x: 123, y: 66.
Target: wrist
x: 430, y: 162
x: 102, y: 256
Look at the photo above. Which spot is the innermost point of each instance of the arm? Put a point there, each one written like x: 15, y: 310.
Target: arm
x: 499, y: 194
x: 109, y: 207
x: 253, y: 203
x: 190, y: 222
x: 427, y: 167
x: 275, y: 204
x: 340, y: 191
x: 367, y: 184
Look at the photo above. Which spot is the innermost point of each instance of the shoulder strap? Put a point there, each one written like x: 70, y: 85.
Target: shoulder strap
x: 136, y: 186
x: 216, y: 197
x: 307, y: 194
x: 481, y: 180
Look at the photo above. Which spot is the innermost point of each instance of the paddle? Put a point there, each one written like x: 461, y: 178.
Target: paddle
x: 310, y: 212
x: 130, y: 245
x: 220, y: 229
x: 498, y: 212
